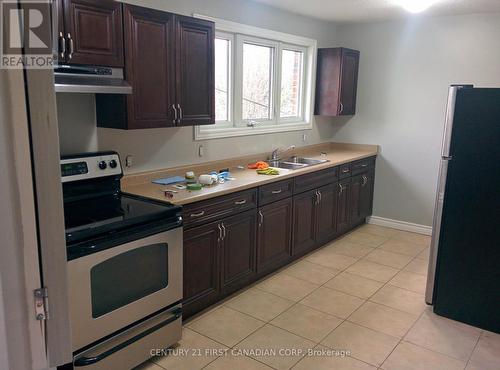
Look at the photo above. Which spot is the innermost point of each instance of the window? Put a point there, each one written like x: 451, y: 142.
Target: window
x: 291, y: 83
x: 263, y: 81
x: 257, y: 84
x: 222, y: 78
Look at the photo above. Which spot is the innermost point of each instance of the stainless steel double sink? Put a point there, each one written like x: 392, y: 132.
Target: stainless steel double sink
x: 294, y: 163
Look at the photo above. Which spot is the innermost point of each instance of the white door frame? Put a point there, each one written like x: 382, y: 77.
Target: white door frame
x: 33, y: 248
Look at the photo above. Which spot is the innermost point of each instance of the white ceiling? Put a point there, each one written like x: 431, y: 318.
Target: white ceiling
x: 372, y: 10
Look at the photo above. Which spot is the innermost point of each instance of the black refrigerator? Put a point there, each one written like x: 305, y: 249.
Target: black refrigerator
x: 464, y: 267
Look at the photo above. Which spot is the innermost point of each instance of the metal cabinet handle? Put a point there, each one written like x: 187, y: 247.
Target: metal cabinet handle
x: 364, y: 165
x: 317, y: 198
x: 365, y: 180
x: 219, y: 239
x: 341, y: 189
x: 87, y: 361
x: 277, y: 191
x: 181, y: 116
x: 345, y: 170
x: 320, y: 196
x: 341, y: 107
x: 199, y: 214
x: 240, y: 202
x: 261, y: 218
x: 71, y: 46
x: 174, y: 121
x: 223, y: 231
x: 62, y: 45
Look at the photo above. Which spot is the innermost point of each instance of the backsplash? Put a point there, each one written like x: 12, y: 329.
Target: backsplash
x: 166, y: 147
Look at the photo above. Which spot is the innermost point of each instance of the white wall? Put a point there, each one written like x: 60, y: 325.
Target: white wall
x: 406, y: 68
x: 160, y: 148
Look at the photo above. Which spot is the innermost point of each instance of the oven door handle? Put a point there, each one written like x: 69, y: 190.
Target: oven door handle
x: 86, y: 361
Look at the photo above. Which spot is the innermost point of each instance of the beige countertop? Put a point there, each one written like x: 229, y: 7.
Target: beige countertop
x: 337, y: 154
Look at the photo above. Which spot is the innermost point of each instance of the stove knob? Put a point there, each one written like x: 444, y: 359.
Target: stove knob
x: 102, y: 165
x: 113, y: 164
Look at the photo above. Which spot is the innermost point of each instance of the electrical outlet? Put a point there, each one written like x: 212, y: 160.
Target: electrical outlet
x: 201, y: 151
x: 129, y: 161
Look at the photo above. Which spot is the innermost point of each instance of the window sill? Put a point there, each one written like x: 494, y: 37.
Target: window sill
x: 206, y: 133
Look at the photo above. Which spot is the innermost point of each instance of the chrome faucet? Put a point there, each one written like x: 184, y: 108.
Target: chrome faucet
x: 274, y: 154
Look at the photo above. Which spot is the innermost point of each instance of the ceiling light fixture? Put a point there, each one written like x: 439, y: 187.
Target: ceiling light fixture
x: 416, y: 6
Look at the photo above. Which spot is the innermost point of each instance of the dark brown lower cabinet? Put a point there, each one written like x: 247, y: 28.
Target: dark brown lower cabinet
x: 201, y: 267
x: 361, y: 197
x: 238, y: 249
x: 327, y: 213
x: 274, y: 235
x: 236, y: 246
x: 304, y: 222
x: 343, y: 205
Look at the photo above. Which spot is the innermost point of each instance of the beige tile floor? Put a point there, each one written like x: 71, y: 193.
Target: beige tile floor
x: 356, y: 303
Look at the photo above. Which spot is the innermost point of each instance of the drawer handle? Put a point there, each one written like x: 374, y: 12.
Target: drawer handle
x: 86, y: 361
x: 364, y: 165
x: 277, y: 191
x: 346, y: 170
x: 240, y: 202
x: 199, y: 214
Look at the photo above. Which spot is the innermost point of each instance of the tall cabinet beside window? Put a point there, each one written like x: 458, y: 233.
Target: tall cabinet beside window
x: 169, y: 61
x: 336, y: 82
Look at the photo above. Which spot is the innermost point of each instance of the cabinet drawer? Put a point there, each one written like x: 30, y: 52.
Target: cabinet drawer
x: 217, y: 208
x: 345, y: 171
x: 315, y: 179
x: 275, y: 191
x: 362, y: 165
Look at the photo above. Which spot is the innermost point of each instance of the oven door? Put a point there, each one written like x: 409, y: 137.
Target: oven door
x: 111, y: 289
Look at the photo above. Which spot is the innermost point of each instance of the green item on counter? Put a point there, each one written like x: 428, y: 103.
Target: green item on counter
x: 268, y: 171
x: 194, y: 186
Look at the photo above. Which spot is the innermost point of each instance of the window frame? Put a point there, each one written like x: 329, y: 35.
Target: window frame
x: 230, y: 79
x: 302, y: 99
x: 238, y: 80
x: 237, y: 34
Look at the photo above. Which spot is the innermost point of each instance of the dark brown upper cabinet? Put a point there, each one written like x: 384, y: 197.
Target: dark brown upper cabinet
x: 149, y: 67
x: 195, y: 66
x: 169, y: 62
x: 336, y: 82
x: 90, y: 32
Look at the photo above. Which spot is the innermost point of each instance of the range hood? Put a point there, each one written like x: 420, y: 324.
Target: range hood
x: 90, y: 79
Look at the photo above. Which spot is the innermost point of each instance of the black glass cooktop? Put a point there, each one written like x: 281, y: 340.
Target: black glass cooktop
x: 94, y: 217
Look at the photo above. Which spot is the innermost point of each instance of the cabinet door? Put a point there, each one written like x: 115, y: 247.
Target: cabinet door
x: 274, y: 235
x: 195, y: 87
x: 304, y: 222
x: 201, y: 267
x: 366, y: 194
x: 343, y: 205
x: 356, y: 216
x: 327, y: 213
x: 60, y: 48
x: 348, y: 82
x: 149, y: 53
x: 93, y: 32
x: 238, y: 250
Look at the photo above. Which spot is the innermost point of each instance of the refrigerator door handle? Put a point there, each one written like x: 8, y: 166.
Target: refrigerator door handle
x: 448, y: 123
x: 450, y: 115
x: 436, y: 228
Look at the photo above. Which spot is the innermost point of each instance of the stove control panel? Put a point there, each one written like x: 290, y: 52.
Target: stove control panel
x: 90, y: 166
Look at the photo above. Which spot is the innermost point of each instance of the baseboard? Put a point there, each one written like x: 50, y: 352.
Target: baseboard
x: 400, y: 225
